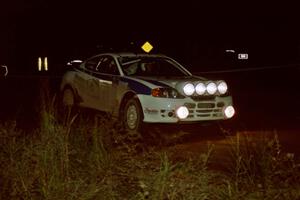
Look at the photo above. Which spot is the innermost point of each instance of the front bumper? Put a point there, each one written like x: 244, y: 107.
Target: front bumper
x: 162, y: 110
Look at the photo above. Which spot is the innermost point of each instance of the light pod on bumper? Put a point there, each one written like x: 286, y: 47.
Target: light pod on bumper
x: 182, y: 112
x: 200, y: 88
x: 229, y: 112
x: 211, y: 88
x: 222, y: 87
x: 188, y: 89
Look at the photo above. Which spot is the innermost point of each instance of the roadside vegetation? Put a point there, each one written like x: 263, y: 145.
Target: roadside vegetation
x: 90, y: 157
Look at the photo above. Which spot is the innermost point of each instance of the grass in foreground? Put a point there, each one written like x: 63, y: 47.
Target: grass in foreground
x: 91, y: 160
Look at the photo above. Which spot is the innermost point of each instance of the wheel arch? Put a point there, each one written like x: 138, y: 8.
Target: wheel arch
x: 77, y: 98
x: 127, y: 96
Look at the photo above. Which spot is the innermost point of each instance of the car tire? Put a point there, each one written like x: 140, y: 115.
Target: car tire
x: 68, y: 97
x: 133, y: 116
x: 67, y: 109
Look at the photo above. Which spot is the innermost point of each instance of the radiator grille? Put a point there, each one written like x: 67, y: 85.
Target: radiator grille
x: 205, y: 109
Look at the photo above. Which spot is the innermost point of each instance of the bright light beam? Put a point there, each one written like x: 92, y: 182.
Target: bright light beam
x: 46, y: 64
x: 40, y: 64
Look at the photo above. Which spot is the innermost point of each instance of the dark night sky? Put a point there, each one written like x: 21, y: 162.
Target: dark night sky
x: 194, y: 33
x: 188, y: 31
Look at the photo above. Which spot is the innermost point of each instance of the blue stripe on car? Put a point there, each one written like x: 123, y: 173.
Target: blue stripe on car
x: 136, y: 86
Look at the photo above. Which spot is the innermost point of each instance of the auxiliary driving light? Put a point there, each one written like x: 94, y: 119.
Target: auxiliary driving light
x: 211, y: 88
x: 188, y: 89
x: 229, y: 112
x: 182, y: 112
x: 222, y: 87
x: 200, y: 88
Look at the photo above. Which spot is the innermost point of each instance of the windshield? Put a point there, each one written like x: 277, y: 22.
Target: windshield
x: 150, y: 66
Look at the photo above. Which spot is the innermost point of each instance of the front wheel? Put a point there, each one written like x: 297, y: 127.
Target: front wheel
x: 67, y: 106
x: 68, y: 97
x: 133, y: 116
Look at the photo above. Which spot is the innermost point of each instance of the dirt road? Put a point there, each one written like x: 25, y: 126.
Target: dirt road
x: 224, y: 145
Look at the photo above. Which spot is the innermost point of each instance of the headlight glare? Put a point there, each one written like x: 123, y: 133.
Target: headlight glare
x: 229, y: 112
x: 200, y: 88
x: 188, y: 89
x: 211, y: 88
x: 222, y: 87
x: 182, y: 112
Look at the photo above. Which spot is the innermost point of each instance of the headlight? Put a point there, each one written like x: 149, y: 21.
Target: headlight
x: 166, y: 93
x: 211, y: 88
x: 229, y: 112
x: 222, y: 87
x: 200, y: 88
x: 188, y: 89
x: 182, y: 112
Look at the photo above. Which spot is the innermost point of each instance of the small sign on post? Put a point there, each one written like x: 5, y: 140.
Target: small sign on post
x: 147, y: 47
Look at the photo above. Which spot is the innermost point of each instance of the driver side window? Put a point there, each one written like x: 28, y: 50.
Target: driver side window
x: 108, y: 66
x: 92, y: 63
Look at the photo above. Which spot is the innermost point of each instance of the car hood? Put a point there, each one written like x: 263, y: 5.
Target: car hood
x: 171, y: 81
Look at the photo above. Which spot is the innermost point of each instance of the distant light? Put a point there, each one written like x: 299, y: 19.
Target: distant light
x: 147, y: 47
x: 46, y: 64
x: 43, y: 64
x: 40, y: 64
x: 74, y: 61
x: 6, y: 69
x: 230, y: 51
x: 243, y: 56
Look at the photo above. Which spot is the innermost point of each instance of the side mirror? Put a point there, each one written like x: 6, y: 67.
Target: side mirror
x: 74, y: 63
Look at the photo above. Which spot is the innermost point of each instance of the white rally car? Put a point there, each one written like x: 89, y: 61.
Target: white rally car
x: 145, y: 88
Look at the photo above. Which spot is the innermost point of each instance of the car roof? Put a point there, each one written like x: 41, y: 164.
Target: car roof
x: 130, y: 54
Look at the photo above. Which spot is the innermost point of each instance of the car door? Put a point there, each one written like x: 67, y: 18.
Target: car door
x: 108, y: 76
x: 87, y: 85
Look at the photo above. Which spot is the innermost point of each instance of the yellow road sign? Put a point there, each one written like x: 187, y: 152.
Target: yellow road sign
x: 147, y: 47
